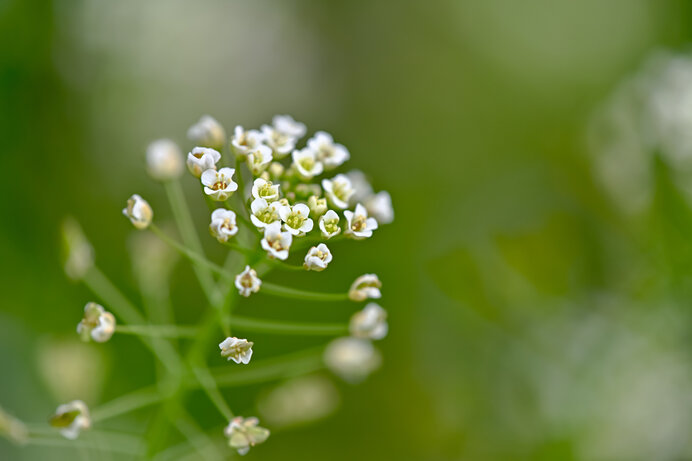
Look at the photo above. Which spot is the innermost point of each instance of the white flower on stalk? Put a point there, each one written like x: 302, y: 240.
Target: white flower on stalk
x: 264, y: 213
x: 329, y: 224
x: 164, y: 160
x: 338, y: 190
x: 328, y: 152
x: 364, y: 287
x: 207, y: 132
x: 259, y: 158
x: 281, y: 143
x: 266, y: 190
x: 78, y: 252
x: 361, y: 186
x: 223, y: 224
x: 296, y: 219
x: 318, y: 258
x: 358, y: 225
x: 352, y: 358
x: 243, y: 142
x: 97, y: 324
x: 247, y: 282
x: 306, y: 163
x: 219, y: 185
x: 369, y: 323
x: 318, y: 206
x: 275, y: 242
x: 202, y: 159
x: 138, y: 212
x: 71, y: 418
x: 287, y: 125
x: 244, y: 433
x: 238, y: 350
x: 380, y: 207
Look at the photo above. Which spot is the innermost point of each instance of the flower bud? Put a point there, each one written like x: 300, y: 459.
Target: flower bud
x: 71, y: 418
x: 138, y: 212
x: 318, y: 206
x: 364, y: 287
x: 208, y: 133
x: 97, y: 324
x: 164, y: 160
x: 369, y: 323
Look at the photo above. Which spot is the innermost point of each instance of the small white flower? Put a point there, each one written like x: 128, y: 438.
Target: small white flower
x: 258, y: 159
x: 71, y: 418
x: 358, y: 225
x: 364, y: 287
x: 244, y: 433
x: 219, y: 185
x: 207, y: 132
x: 369, y: 323
x: 352, y: 358
x: 243, y: 142
x: 78, y: 252
x: 380, y: 206
x: 97, y: 324
x: 238, y: 350
x: 285, y: 124
x: 264, y: 213
x: 281, y: 143
x: 338, y: 190
x: 275, y: 242
x: 306, y: 163
x: 266, y: 190
x: 361, y: 186
x: 202, y: 159
x: 223, y: 224
x: 318, y: 258
x: 296, y: 219
x: 328, y: 152
x: 329, y: 224
x: 164, y: 160
x: 247, y: 282
x: 318, y: 206
x: 138, y: 212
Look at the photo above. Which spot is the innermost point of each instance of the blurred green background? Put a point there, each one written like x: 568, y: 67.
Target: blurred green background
x: 531, y: 316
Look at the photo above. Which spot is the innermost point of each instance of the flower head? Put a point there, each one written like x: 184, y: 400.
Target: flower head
x: 223, y: 224
x: 97, y: 324
x: 328, y: 152
x: 138, y: 212
x: 264, y: 213
x: 202, y: 159
x: 219, y: 185
x: 306, y: 163
x: 318, y: 258
x: 364, y: 287
x: 286, y: 125
x: 247, y: 282
x: 78, y: 252
x: 380, y: 206
x: 259, y: 158
x: 207, y: 132
x: 352, y: 358
x: 238, y: 350
x: 296, y: 218
x: 266, y: 190
x: 358, y: 225
x: 369, y: 323
x: 164, y: 160
x: 338, y: 190
x: 329, y: 224
x: 244, y: 433
x: 71, y: 418
x: 243, y: 142
x: 281, y: 143
x: 275, y: 242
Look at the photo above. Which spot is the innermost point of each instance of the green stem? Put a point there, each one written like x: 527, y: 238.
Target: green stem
x: 287, y: 328
x: 127, y: 403
x: 158, y: 331
x: 206, y: 380
x: 181, y: 212
x: 287, y: 292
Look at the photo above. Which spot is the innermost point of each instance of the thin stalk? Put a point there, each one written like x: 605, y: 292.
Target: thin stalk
x: 158, y: 331
x: 287, y: 292
x: 206, y: 380
x: 288, y: 328
x: 126, y: 403
x: 182, y: 216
